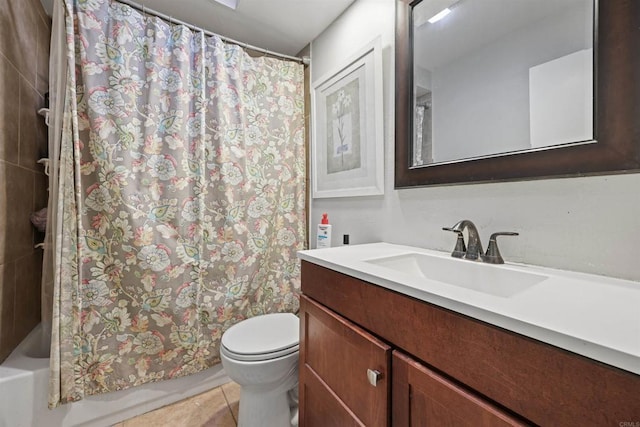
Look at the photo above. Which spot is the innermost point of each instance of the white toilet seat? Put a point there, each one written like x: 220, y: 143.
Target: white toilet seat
x: 261, y: 338
x: 260, y: 356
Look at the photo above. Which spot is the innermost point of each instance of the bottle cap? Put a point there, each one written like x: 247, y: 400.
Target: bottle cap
x: 325, y: 219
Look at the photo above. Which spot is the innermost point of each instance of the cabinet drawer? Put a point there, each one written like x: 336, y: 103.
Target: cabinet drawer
x: 422, y: 397
x: 336, y: 353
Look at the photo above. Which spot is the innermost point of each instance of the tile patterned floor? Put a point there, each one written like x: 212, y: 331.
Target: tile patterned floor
x: 214, y: 408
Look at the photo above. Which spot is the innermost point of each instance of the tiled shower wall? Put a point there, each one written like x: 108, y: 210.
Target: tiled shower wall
x: 25, y: 31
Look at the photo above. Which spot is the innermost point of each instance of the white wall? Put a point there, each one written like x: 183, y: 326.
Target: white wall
x: 582, y: 224
x: 561, y: 100
x: 422, y: 80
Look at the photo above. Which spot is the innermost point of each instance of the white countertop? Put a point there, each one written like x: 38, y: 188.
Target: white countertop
x: 595, y: 316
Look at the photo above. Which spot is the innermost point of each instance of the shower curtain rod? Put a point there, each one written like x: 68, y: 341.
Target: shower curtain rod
x: 146, y: 11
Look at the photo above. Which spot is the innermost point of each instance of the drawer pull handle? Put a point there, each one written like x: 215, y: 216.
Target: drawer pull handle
x: 373, y: 376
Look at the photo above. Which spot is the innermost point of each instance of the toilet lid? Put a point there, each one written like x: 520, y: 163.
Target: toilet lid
x: 271, y: 335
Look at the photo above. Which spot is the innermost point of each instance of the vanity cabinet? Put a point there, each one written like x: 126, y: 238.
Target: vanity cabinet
x: 439, y: 367
x: 335, y: 358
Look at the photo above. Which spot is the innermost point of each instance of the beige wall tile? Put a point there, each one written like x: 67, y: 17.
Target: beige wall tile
x: 24, y: 35
x: 44, y: 42
x: 18, y: 33
x: 15, y: 207
x: 27, y: 296
x: 9, y: 111
x: 33, y: 130
x: 7, y: 295
x: 44, y: 18
x: 40, y: 200
x: 40, y: 192
x: 4, y: 213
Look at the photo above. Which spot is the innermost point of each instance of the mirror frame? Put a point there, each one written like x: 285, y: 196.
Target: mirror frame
x: 616, y: 146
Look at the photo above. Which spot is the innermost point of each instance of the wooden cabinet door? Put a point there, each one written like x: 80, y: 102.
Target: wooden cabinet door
x: 335, y: 355
x: 422, y: 397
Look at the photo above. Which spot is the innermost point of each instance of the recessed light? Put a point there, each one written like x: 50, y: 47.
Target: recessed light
x: 232, y: 4
x: 438, y: 16
x: 432, y: 11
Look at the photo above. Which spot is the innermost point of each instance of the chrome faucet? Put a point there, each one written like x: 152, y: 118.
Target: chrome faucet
x: 473, y: 250
x: 493, y: 253
x: 474, y: 247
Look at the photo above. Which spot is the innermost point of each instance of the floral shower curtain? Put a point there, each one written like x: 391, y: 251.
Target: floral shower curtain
x: 181, y: 198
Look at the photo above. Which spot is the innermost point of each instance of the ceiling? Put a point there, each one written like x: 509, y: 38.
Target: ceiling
x: 473, y: 24
x: 283, y: 26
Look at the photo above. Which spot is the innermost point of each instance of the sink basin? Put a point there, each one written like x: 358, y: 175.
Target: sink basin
x: 490, y: 279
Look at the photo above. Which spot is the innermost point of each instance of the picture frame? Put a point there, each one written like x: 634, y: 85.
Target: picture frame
x: 347, y: 156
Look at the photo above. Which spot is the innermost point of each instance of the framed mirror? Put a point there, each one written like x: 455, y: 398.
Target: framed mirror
x: 502, y: 90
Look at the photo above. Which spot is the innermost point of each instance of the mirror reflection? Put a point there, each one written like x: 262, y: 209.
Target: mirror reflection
x: 500, y: 76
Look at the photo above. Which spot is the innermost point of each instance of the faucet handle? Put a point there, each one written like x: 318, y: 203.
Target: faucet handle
x: 460, y: 249
x: 492, y: 256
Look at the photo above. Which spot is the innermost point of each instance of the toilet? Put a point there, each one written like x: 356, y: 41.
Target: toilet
x: 261, y: 355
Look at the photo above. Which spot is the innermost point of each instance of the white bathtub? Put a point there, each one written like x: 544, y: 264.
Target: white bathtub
x: 24, y: 378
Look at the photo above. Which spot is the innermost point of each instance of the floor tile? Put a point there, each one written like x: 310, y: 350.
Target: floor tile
x: 232, y: 394
x: 208, y: 409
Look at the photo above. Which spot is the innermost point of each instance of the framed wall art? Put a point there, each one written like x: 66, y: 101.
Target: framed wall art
x: 348, y: 131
